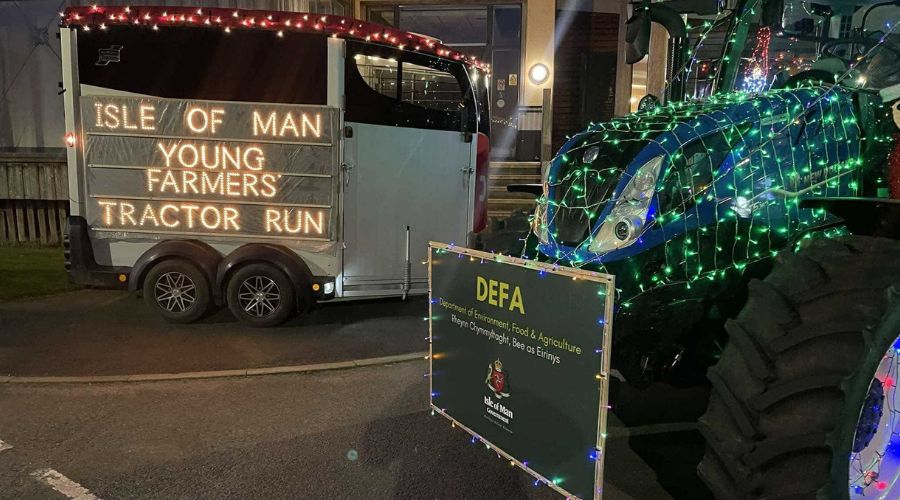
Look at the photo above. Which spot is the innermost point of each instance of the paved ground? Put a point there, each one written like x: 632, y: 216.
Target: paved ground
x: 98, y: 332
x: 359, y: 433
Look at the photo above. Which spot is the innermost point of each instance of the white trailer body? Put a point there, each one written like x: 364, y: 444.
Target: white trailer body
x: 197, y: 138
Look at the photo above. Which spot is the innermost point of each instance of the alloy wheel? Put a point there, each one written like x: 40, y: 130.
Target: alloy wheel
x: 175, y: 292
x: 259, y: 296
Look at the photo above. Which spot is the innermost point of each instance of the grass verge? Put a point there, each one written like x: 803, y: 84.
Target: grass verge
x: 31, y: 271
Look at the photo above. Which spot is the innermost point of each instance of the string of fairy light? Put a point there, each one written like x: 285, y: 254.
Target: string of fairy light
x: 757, y: 75
x: 595, y: 453
x: 92, y: 17
x: 749, y: 144
x: 867, y: 465
x: 706, y: 27
x: 573, y: 196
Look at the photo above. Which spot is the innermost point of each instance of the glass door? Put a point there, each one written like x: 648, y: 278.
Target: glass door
x: 492, y: 33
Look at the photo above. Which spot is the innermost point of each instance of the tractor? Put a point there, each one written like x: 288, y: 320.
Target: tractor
x: 750, y: 216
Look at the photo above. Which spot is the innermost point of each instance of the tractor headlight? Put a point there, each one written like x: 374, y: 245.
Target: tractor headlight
x: 624, y: 223
x: 590, y: 154
x: 643, y: 184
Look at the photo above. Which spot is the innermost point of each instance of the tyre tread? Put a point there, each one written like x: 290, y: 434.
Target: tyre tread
x: 775, y: 327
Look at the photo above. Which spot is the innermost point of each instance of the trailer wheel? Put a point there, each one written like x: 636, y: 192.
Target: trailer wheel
x: 177, y: 290
x: 804, y: 401
x: 260, y: 295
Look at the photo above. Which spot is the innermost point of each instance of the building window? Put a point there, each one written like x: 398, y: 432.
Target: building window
x: 335, y: 7
x: 846, y: 26
x: 454, y: 26
x: 384, y: 16
x: 492, y: 33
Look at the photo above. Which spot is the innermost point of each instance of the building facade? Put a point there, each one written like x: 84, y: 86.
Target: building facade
x: 557, y: 65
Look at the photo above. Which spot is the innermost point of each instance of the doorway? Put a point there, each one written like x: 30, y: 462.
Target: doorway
x: 584, y: 76
x: 493, y: 33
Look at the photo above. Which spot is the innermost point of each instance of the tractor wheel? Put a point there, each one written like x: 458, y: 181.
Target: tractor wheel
x: 804, y: 399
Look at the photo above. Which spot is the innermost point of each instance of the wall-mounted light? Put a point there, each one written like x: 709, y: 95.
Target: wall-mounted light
x: 539, y: 73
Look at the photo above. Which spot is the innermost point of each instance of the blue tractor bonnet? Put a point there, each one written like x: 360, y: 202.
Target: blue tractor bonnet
x: 758, y: 150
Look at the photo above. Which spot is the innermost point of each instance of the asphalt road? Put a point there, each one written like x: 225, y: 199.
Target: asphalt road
x: 358, y: 433
x: 102, y: 332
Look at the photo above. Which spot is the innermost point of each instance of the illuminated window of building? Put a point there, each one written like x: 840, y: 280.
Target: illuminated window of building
x: 336, y: 7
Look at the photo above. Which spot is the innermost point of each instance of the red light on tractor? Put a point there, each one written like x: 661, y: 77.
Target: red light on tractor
x: 71, y: 140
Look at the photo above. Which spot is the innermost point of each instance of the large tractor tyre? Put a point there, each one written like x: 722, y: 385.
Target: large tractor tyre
x: 261, y: 296
x: 177, y: 290
x: 804, y: 401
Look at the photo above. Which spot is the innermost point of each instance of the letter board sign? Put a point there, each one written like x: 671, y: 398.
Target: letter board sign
x: 209, y: 168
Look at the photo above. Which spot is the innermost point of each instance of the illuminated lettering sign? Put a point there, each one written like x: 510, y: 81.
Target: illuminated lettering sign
x: 200, y: 167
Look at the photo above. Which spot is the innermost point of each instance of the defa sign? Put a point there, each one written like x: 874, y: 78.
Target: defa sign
x: 189, y: 166
x: 517, y: 345
x: 497, y: 294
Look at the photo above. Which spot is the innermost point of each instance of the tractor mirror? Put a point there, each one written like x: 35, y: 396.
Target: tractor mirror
x: 637, y: 36
x: 648, y: 102
x: 637, y: 29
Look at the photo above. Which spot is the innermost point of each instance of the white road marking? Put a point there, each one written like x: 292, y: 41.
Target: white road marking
x: 62, y: 484
x: 4, y: 446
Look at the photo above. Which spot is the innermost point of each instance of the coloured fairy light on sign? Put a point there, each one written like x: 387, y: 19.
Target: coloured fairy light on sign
x: 505, y: 335
x: 167, y: 165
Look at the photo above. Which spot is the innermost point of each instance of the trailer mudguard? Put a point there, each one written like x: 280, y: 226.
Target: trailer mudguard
x: 284, y: 259
x: 80, y: 264
x: 862, y: 216
x: 198, y: 252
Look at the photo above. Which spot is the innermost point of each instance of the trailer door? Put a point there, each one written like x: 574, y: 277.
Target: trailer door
x: 408, y: 164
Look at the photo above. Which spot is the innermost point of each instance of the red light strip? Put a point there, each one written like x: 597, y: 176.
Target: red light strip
x: 102, y: 17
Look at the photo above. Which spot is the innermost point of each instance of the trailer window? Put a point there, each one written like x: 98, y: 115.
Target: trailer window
x: 386, y: 86
x: 380, y: 74
x: 430, y: 88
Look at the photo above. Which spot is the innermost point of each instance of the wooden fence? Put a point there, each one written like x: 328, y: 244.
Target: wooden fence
x: 34, y: 197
